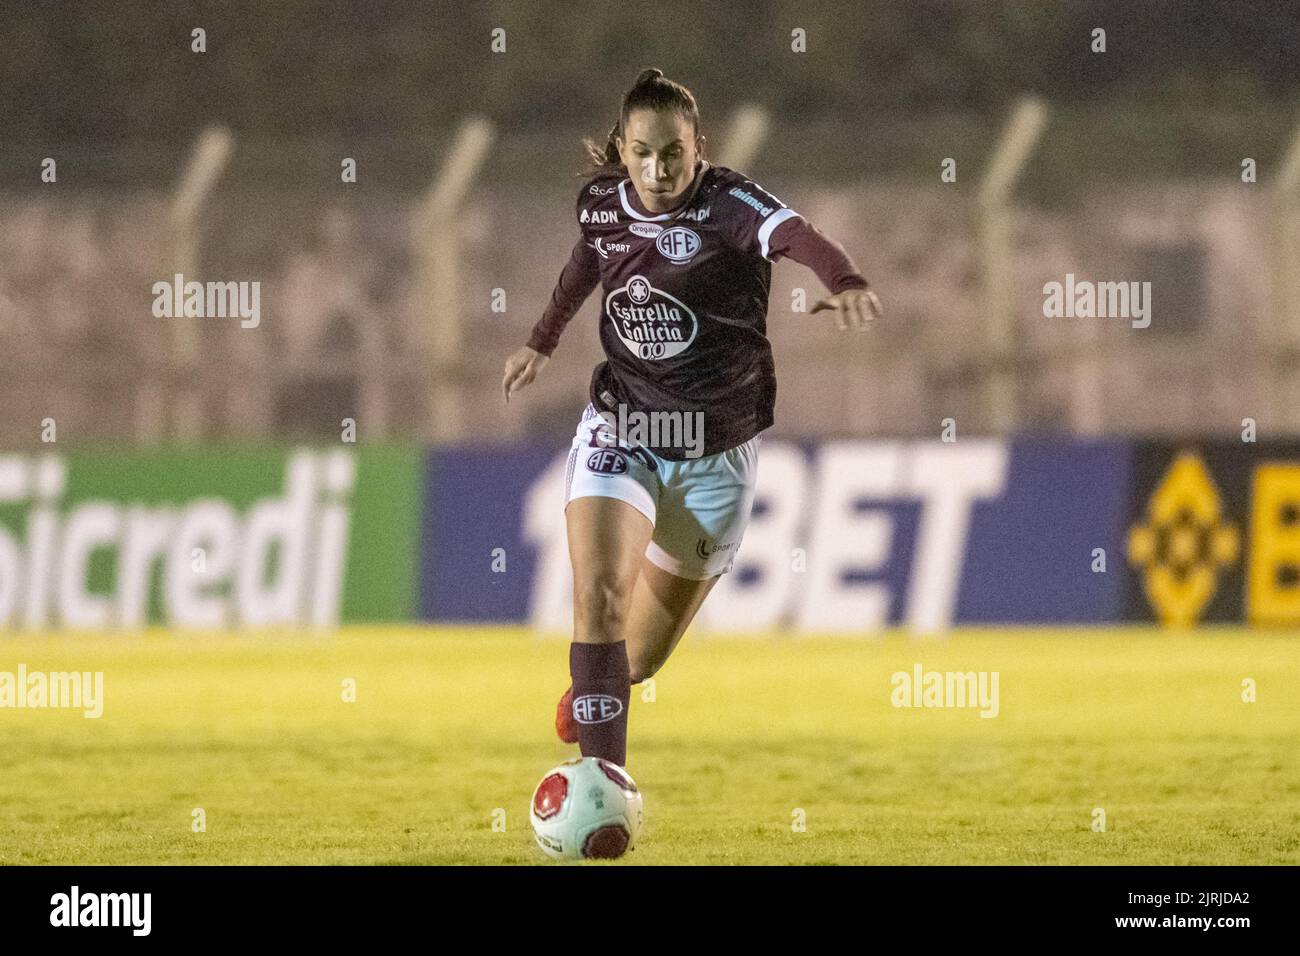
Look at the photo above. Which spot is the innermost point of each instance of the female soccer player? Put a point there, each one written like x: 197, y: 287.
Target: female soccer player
x: 662, y: 470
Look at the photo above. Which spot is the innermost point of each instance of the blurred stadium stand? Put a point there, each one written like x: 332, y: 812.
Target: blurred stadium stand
x: 1137, y: 177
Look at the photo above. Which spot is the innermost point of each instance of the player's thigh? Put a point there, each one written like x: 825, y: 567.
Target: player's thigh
x: 607, y: 541
x: 662, y: 607
x: 611, y: 496
x: 703, y: 512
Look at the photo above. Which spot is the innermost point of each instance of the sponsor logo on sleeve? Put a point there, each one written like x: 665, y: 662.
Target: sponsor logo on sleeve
x: 761, y: 208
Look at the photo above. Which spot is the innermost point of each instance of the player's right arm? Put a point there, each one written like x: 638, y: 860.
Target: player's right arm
x: 580, y: 276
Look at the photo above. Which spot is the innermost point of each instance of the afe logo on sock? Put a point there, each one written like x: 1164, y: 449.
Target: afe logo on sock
x: 596, y: 708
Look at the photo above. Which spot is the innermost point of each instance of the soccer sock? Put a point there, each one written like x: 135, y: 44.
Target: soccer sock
x: 602, y: 687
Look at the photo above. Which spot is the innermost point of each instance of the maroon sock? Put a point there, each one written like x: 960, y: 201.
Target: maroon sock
x: 602, y: 687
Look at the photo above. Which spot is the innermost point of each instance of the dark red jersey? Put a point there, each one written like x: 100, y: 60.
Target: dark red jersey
x: 684, y: 298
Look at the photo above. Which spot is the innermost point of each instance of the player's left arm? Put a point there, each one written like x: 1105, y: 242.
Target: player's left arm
x: 758, y: 223
x: 853, y: 300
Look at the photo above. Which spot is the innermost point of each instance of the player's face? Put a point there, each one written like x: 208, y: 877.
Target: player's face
x: 659, y: 149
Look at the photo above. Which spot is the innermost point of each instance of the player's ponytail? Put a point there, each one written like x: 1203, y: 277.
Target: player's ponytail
x: 652, y: 90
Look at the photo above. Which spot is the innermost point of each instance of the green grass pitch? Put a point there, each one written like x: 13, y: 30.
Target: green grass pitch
x: 450, y: 727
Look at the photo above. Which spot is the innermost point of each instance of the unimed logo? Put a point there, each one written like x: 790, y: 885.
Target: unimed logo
x: 74, y: 908
x: 596, y: 708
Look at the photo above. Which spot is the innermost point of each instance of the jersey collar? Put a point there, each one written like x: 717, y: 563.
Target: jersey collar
x: 627, y: 201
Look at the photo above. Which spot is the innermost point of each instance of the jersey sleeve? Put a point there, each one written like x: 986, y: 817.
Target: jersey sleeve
x: 577, y: 280
x: 803, y: 242
x: 748, y: 214
x: 580, y: 276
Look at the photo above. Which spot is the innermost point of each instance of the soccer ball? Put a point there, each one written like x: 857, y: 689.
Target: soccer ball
x: 586, y: 808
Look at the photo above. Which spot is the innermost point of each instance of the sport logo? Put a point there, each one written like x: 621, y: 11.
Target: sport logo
x: 652, y: 324
x: 706, y: 551
x: 646, y: 230
x: 604, y: 248
x: 678, y: 244
x: 609, y: 461
x: 596, y: 708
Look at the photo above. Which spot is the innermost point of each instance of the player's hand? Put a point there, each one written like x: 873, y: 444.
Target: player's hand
x: 854, y: 308
x: 521, y: 368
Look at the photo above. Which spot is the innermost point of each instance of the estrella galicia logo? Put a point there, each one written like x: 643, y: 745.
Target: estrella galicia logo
x: 678, y: 244
x: 652, y: 324
x: 607, y: 461
x: 596, y: 708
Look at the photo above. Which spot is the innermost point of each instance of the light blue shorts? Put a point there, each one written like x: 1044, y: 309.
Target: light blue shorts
x: 699, y: 507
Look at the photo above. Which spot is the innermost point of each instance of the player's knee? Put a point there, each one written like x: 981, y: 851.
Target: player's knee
x: 598, y: 608
x: 641, y: 670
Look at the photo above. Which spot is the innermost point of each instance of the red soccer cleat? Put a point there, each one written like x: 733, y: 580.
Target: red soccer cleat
x: 565, y: 726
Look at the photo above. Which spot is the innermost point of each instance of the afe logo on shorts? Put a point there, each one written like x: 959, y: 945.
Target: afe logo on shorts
x: 596, y: 708
x: 678, y: 244
x: 608, y: 461
x: 651, y: 323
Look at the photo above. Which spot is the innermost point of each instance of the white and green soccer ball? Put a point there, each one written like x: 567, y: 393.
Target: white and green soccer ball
x: 586, y: 808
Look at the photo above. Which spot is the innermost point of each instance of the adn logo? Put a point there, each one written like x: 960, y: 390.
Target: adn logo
x: 596, y: 708
x: 646, y: 230
x: 610, y: 461
x: 600, y: 215
x: 678, y: 244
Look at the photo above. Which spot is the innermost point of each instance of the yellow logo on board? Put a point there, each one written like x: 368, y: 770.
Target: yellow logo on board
x: 1185, y: 543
